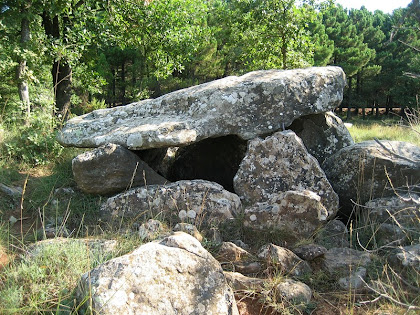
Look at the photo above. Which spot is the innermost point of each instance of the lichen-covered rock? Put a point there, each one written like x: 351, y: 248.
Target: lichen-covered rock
x: 354, y: 281
x: 195, y: 201
x: 310, y: 251
x: 253, y: 104
x: 402, y: 210
x: 407, y: 257
x: 280, y: 163
x: 189, y: 229
x: 151, y: 230
x: 363, y: 171
x: 323, y: 134
x: 340, y: 261
x: 111, y: 169
x: 299, y: 212
x: 293, y: 291
x: 175, y: 276
x: 284, y: 260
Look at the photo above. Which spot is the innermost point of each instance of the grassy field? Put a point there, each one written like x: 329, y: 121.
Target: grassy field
x: 46, y: 285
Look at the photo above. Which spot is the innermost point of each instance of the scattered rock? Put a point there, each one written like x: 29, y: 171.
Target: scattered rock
x: 402, y: 210
x: 298, y: 212
x: 333, y: 234
x: 254, y: 104
x: 363, y: 171
x: 239, y: 282
x: 340, y: 261
x: 248, y: 267
x: 283, y: 260
x: 14, y: 192
x: 111, y: 169
x: 323, y: 134
x: 310, y: 251
x: 147, y: 281
x: 189, y: 229
x: 196, y: 201
x: 355, y: 281
x: 280, y: 163
x: 293, y: 291
x: 229, y: 252
x: 408, y: 256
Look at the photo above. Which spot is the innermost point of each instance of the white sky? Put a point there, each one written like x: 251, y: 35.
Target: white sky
x: 386, y: 6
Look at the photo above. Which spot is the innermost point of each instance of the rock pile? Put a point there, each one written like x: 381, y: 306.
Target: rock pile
x: 218, y: 154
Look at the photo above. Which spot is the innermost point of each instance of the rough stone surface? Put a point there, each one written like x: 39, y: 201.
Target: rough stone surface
x: 333, y: 234
x: 257, y: 103
x: 355, y: 281
x: 299, y: 212
x: 281, y: 163
x: 323, y: 134
x: 404, y: 209
x: 310, y: 251
x: 111, y: 169
x: 239, y: 282
x: 284, y: 260
x: 339, y: 261
x: 195, y: 201
x: 360, y: 172
x: 293, y: 291
x: 175, y: 276
x: 231, y: 252
x: 408, y: 256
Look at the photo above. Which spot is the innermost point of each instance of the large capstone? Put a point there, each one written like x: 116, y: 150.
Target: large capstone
x: 193, y: 201
x: 175, y: 276
x: 254, y: 104
x: 281, y: 163
x: 370, y: 170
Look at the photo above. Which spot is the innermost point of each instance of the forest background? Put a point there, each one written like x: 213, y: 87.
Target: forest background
x: 64, y: 58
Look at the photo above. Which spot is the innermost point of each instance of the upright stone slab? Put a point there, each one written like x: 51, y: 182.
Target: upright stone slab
x: 370, y: 170
x: 323, y: 134
x: 254, y: 104
x: 281, y: 163
x: 112, y: 169
x: 195, y: 201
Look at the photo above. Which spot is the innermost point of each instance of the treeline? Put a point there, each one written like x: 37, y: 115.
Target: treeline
x: 75, y: 56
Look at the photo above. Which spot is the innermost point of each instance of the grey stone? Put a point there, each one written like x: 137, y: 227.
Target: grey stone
x: 256, y: 103
x: 111, y: 169
x: 355, y: 281
x: 310, y: 251
x: 408, y: 256
x: 341, y: 261
x: 298, y: 212
x: 323, y: 134
x: 195, y: 201
x: 239, y: 282
x: 293, y: 291
x: 150, y: 230
x: 280, y: 163
x: 402, y: 210
x: 175, y: 276
x: 284, y: 260
x: 363, y: 171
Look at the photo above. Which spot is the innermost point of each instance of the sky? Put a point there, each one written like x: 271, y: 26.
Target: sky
x: 386, y: 6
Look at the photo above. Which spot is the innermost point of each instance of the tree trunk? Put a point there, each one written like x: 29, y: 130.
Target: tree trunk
x: 23, y: 88
x: 123, y: 83
x: 61, y: 71
x: 284, y: 51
